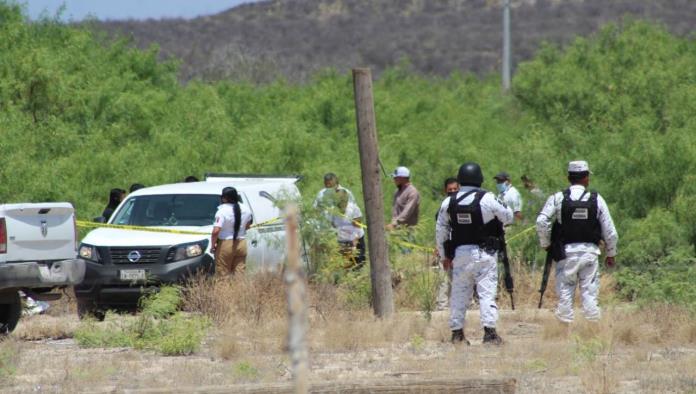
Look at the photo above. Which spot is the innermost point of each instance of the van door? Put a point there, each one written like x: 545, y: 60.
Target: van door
x: 39, y: 232
x: 266, y: 239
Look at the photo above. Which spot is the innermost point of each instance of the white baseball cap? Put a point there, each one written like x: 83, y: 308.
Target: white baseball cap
x: 401, y: 172
x: 579, y: 166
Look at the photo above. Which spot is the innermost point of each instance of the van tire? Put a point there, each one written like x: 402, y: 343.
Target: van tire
x: 10, y: 311
x: 86, y: 309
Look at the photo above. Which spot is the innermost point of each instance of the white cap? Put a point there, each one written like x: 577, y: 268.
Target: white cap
x: 401, y: 172
x: 579, y: 166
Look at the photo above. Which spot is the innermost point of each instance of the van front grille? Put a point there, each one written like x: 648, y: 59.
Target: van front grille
x: 140, y: 255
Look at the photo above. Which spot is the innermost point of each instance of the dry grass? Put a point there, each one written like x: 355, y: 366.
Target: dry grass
x: 630, y: 349
x: 40, y: 327
x: 66, y: 305
x: 10, y: 351
x: 256, y: 298
x: 361, y: 330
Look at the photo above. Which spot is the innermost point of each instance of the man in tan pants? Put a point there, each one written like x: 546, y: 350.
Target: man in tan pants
x: 227, y: 241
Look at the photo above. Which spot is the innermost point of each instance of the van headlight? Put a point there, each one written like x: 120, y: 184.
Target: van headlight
x: 88, y: 252
x: 186, y: 251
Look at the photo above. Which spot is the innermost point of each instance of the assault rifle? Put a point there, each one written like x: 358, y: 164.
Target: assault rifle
x: 545, y: 277
x: 555, y: 251
x: 509, y: 284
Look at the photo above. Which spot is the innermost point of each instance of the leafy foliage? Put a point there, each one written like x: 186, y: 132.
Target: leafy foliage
x: 80, y: 115
x: 663, y: 283
x: 159, y: 327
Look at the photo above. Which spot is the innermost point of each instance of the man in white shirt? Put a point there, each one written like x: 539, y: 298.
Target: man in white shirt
x: 583, y: 222
x: 472, y: 220
x: 328, y: 193
x: 508, y: 193
x: 228, y: 240
x: 351, y: 236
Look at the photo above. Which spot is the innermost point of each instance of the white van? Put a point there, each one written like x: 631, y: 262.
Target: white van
x: 121, y: 262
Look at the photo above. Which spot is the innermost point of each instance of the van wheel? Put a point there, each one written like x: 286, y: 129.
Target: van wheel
x: 10, y: 311
x: 86, y: 308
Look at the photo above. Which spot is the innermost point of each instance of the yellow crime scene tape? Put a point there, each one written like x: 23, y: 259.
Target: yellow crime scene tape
x: 521, y: 233
x: 409, y: 245
x: 86, y: 224
x: 430, y: 249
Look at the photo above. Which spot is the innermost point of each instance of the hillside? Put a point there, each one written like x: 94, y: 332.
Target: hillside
x: 295, y: 38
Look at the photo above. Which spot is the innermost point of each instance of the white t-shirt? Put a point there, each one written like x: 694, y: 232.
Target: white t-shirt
x: 319, y: 200
x: 345, y: 229
x: 512, y: 198
x: 224, y: 219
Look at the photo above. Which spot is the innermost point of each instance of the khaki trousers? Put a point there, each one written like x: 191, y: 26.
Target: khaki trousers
x: 230, y: 257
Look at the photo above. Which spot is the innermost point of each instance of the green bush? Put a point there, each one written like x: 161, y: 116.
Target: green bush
x: 158, y: 327
x: 81, y: 114
x: 665, y: 283
x: 163, y: 304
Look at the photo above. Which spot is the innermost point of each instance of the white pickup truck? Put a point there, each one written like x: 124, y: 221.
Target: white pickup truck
x: 123, y: 263
x: 38, y: 250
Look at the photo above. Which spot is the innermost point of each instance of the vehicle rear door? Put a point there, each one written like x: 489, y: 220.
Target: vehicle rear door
x: 39, y: 232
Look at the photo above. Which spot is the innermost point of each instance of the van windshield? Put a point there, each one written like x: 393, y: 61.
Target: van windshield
x: 168, y: 210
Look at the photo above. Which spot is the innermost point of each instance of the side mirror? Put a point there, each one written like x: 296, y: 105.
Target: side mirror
x: 99, y: 219
x: 267, y: 195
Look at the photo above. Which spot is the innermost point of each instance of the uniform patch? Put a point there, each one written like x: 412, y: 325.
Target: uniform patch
x: 581, y: 214
x: 464, y: 218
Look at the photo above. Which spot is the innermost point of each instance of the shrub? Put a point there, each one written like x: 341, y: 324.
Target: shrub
x: 80, y: 115
x: 159, y: 327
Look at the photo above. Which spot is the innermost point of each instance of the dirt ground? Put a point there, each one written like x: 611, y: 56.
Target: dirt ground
x: 628, y: 352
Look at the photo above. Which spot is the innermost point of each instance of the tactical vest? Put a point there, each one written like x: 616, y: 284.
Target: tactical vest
x: 467, y: 223
x: 579, y: 222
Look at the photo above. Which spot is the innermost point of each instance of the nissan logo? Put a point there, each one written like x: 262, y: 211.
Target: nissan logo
x: 134, y: 256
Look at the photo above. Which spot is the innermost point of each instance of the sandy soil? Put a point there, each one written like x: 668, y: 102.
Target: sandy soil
x: 541, y: 356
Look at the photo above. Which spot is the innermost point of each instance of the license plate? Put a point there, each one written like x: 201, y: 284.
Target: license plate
x: 132, y: 275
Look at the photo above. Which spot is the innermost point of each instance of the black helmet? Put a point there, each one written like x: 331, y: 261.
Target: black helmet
x: 470, y: 174
x: 230, y: 194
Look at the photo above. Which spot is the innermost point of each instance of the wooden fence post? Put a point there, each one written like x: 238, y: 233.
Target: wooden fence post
x: 297, y: 304
x: 380, y: 272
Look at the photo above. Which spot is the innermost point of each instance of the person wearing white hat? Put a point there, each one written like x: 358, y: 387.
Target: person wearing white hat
x: 583, y: 220
x: 406, y: 200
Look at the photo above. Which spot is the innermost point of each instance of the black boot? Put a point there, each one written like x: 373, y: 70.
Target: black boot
x: 458, y: 337
x: 490, y: 336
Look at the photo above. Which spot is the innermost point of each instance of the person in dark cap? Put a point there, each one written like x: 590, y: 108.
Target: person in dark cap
x: 135, y: 186
x: 450, y: 188
x: 115, y: 197
x: 508, y: 194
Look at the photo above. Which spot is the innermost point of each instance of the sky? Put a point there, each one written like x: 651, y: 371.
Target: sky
x: 76, y: 10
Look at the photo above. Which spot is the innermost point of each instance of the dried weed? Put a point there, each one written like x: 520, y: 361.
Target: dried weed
x: 255, y: 298
x: 10, y: 351
x: 40, y: 327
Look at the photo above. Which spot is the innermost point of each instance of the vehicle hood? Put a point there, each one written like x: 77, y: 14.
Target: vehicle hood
x: 121, y: 237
